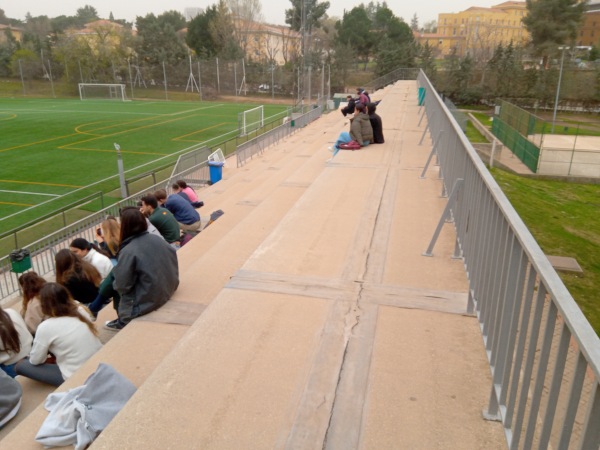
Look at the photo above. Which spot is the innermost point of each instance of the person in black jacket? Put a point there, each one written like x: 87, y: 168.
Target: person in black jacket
x: 376, y: 124
x: 349, y: 108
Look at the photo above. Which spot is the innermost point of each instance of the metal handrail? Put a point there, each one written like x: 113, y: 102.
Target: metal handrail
x: 544, y: 355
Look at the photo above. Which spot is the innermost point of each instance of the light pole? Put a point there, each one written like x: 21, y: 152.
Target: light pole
x: 562, y: 60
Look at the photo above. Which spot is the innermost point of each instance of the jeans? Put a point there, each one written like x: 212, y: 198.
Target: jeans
x: 9, y: 369
x: 44, y: 373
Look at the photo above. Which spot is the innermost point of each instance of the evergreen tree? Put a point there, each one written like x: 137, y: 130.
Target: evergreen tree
x: 552, y: 23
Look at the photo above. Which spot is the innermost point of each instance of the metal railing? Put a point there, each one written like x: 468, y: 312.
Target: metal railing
x: 392, y: 77
x: 543, y: 353
x: 256, y: 146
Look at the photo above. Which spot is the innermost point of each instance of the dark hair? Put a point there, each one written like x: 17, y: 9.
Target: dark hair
x: 81, y: 244
x: 56, y: 301
x: 9, y: 334
x: 161, y: 194
x: 133, y: 223
x: 30, y: 283
x: 67, y: 265
x: 175, y: 187
x: 182, y: 184
x: 150, y: 200
x: 360, y: 107
x: 371, y: 107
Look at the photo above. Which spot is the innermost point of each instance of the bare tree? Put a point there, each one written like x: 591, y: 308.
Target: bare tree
x: 246, y: 13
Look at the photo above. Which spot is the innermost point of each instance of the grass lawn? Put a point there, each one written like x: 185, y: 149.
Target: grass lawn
x: 474, y: 135
x: 52, y: 150
x: 563, y: 218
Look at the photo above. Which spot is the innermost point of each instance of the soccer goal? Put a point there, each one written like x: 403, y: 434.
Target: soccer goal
x: 102, y: 91
x: 252, y: 119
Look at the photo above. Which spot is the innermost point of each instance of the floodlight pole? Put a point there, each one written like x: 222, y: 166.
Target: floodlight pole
x: 121, y: 171
x: 562, y: 60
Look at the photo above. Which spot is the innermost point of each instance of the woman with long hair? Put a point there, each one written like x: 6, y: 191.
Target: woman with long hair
x: 67, y: 333
x: 147, y: 273
x: 31, y: 309
x: 108, y: 236
x: 78, y: 276
x: 93, y: 254
x: 15, y: 340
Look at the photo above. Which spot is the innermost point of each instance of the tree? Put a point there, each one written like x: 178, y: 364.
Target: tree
x: 552, y: 23
x: 199, y: 37
x: 354, y: 30
x: 223, y: 32
x: 246, y: 14
x: 396, y: 45
x: 158, y: 38
x: 426, y: 55
x: 314, y: 13
x: 414, y: 23
x: 7, y: 49
x: 86, y: 14
x: 430, y: 27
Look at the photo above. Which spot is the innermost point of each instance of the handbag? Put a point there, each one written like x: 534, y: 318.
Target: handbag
x: 352, y: 145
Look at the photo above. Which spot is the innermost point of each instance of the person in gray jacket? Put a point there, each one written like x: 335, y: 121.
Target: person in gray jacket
x: 147, y: 274
x: 360, y: 129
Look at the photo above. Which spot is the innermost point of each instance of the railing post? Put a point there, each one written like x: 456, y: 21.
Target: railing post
x: 433, y: 152
x: 447, y: 211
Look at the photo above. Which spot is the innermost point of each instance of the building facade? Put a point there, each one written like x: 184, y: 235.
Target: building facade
x: 477, y: 31
x: 589, y: 33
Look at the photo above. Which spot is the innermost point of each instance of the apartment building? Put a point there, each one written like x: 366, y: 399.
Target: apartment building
x: 477, y: 31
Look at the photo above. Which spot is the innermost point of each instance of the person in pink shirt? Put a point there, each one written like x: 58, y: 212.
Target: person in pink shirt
x: 188, y: 191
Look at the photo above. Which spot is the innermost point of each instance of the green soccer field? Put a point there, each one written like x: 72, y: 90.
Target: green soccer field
x: 51, y: 147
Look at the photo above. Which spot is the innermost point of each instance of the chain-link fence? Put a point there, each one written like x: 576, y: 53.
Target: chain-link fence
x: 191, y: 79
x: 566, y: 149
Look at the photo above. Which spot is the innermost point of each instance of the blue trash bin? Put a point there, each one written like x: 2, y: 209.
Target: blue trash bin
x: 216, y: 171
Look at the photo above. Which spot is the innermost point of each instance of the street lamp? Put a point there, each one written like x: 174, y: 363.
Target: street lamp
x: 562, y: 60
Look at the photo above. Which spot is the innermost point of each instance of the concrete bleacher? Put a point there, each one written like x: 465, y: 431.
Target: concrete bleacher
x: 306, y: 315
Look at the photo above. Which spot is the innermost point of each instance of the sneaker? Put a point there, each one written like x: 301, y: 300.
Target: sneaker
x: 114, y: 325
x: 330, y: 149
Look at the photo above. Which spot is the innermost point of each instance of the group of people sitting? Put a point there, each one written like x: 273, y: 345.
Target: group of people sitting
x: 55, y: 331
x: 366, y: 126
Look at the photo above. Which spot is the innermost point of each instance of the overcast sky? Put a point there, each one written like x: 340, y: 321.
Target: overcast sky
x: 273, y: 10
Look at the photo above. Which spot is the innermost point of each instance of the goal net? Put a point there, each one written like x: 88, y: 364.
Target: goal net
x: 102, y: 91
x: 251, y: 120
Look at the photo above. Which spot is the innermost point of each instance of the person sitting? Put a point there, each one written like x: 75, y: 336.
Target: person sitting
x: 376, y: 123
x: 108, y: 238
x: 360, y: 128
x: 31, y: 309
x: 363, y: 98
x: 147, y: 274
x: 185, y: 214
x: 68, y: 334
x: 188, y: 190
x: 15, y: 340
x: 179, y: 191
x: 92, y: 254
x: 349, y: 108
x: 162, y: 219
x: 79, y: 277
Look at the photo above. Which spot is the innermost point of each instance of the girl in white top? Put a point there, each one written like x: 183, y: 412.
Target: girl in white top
x: 67, y: 333
x: 89, y: 252
x: 15, y: 340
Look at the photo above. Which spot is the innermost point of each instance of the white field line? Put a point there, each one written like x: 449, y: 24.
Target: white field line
x: 30, y: 193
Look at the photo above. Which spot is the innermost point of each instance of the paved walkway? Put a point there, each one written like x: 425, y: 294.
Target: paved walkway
x: 310, y: 317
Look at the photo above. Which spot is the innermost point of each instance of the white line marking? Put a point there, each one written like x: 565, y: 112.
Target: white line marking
x: 29, y: 193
